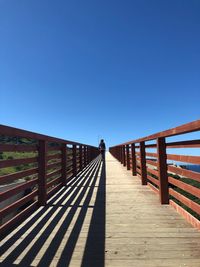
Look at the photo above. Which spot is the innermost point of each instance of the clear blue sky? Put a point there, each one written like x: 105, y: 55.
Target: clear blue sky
x: 83, y: 70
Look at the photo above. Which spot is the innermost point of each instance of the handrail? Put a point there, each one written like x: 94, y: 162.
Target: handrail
x: 11, y: 131
x: 175, y: 185
x: 183, y: 129
x: 33, y: 167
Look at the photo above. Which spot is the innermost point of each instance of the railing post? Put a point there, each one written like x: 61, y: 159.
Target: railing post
x: 162, y: 171
x: 143, y: 163
x: 89, y: 153
x: 124, y: 156
x: 42, y: 169
x: 85, y: 155
x: 127, y: 157
x: 93, y: 152
x: 81, y: 157
x: 117, y: 152
x: 64, y: 164
x: 133, y: 156
x: 74, y: 160
x: 121, y: 154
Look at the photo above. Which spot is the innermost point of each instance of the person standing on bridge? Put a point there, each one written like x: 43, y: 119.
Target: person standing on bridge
x: 102, y: 148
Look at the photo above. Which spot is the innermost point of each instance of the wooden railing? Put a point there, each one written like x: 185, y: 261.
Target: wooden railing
x: 151, y: 162
x: 33, y: 167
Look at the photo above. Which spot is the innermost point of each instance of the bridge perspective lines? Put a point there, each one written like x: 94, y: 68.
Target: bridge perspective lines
x: 103, y: 217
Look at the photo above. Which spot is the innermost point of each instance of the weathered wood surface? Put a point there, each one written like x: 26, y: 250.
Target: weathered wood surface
x: 104, y: 217
x: 140, y: 231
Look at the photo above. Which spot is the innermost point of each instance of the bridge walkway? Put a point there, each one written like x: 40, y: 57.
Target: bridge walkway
x: 103, y: 217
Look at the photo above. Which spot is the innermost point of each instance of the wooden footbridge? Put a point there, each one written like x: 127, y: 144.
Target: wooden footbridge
x: 62, y: 205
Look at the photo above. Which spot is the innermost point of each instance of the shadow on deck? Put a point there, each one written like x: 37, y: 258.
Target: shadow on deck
x: 70, y: 230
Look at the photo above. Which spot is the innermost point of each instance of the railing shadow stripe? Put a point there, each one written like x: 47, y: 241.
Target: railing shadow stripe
x: 72, y: 240
x: 31, y: 235
x: 94, y: 253
x: 26, y: 227
x: 40, y: 242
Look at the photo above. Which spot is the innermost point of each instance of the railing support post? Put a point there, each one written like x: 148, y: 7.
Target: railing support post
x: 118, y: 152
x: 42, y: 169
x: 121, y: 154
x: 124, y: 156
x: 133, y: 158
x: 89, y: 154
x: 85, y: 155
x: 162, y: 171
x: 81, y: 157
x: 74, y: 160
x: 64, y: 164
x: 127, y: 157
x: 143, y: 163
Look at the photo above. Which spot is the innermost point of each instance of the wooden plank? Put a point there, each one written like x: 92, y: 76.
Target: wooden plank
x: 54, y: 165
x: 151, y: 162
x: 191, y: 219
x: 53, y: 173
x: 186, y: 187
x: 128, y: 157
x: 54, y: 181
x: 42, y: 172
x: 64, y: 165
x: 150, y: 145
x: 52, y: 191
x: 124, y: 156
x: 18, y: 148
x: 85, y: 155
x: 133, y: 159
x: 183, y: 172
x: 138, y: 170
x: 69, y: 165
x: 154, y: 172
x: 186, y: 201
x: 162, y: 171
x: 17, y: 175
x: 153, y: 180
x: 153, y: 188
x: 153, y: 155
x: 16, y: 162
x: 54, y: 156
x: 54, y: 148
x: 184, y: 144
x: 11, y: 192
x: 183, y: 158
x: 8, y: 209
x: 74, y: 161
x: 18, y: 218
x: 11, y: 131
x: 130, y: 228
x: 81, y: 157
x: 182, y: 129
x: 143, y: 164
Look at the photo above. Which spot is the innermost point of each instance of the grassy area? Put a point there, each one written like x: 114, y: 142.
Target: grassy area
x: 16, y: 155
x: 20, y: 155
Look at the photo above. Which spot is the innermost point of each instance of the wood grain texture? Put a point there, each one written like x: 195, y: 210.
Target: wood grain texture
x: 103, y: 217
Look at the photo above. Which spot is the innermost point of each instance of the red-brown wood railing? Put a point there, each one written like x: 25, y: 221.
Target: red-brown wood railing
x: 42, y: 164
x: 175, y: 185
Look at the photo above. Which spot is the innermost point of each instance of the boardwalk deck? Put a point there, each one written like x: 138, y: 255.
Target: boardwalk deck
x: 104, y: 217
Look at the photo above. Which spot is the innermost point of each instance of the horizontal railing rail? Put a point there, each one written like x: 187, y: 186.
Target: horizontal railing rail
x: 33, y: 167
x: 175, y: 183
